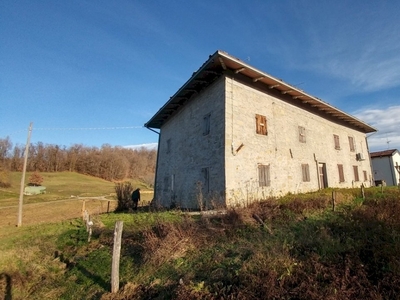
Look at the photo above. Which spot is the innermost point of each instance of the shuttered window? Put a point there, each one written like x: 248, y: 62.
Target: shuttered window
x: 355, y: 169
x: 264, y: 175
x: 206, y: 124
x: 261, y: 125
x: 365, y: 175
x: 206, y: 179
x: 169, y: 146
x: 337, y: 143
x: 351, y: 144
x: 302, y: 134
x: 306, y: 172
x: 341, y: 173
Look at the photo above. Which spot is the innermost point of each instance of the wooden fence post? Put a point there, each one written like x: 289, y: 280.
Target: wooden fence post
x: 362, y: 191
x: 108, y: 206
x: 83, y: 209
x: 333, y: 200
x: 116, y: 256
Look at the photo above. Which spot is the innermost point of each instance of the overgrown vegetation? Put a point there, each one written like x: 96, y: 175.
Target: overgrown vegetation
x: 123, y: 190
x: 310, y: 252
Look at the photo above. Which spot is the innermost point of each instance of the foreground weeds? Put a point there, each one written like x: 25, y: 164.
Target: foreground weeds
x: 292, y: 248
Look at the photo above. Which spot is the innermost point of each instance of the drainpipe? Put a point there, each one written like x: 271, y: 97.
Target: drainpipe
x: 318, y: 176
x: 392, y: 169
x: 155, y: 175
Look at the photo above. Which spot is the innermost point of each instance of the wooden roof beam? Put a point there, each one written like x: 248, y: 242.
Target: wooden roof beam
x: 273, y: 86
x: 287, y: 91
x: 298, y: 97
x: 258, y: 78
x: 240, y: 70
x: 222, y: 62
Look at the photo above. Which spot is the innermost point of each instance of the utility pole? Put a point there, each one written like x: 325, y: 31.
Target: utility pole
x: 21, y: 192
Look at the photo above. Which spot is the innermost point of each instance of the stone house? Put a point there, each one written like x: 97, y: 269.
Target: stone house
x: 233, y: 134
x: 386, y: 166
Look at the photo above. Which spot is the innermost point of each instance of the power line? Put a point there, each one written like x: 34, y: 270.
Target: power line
x: 78, y: 128
x: 88, y: 128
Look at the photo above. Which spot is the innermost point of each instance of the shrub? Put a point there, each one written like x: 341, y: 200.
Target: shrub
x: 35, y: 179
x: 123, y: 191
x: 5, y: 178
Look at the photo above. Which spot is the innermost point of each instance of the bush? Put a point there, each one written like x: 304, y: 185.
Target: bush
x: 123, y: 191
x: 5, y: 178
x: 35, y: 179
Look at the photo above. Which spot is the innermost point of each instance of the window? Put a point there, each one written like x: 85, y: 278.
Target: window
x: 341, y: 173
x: 302, y: 134
x: 261, y: 125
x: 365, y: 175
x: 166, y: 184
x: 263, y: 175
x: 306, y: 172
x: 206, y: 124
x: 169, y: 146
x: 337, y: 143
x: 355, y: 169
x: 206, y: 179
x: 172, y: 182
x: 352, y: 145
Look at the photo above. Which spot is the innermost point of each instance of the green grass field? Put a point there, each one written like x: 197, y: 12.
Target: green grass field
x: 61, y: 185
x: 304, y: 250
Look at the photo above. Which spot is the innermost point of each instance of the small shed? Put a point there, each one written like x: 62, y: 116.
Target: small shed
x: 34, y: 190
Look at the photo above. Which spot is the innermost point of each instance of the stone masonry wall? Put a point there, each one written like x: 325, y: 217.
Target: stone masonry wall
x: 187, y: 157
x: 281, y: 148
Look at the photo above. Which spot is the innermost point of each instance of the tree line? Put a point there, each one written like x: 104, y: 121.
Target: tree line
x: 106, y: 162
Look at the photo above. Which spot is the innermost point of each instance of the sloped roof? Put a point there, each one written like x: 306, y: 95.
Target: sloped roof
x: 383, y: 153
x: 220, y: 62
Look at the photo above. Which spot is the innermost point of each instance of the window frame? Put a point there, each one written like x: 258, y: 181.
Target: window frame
x: 305, y: 170
x: 302, y: 134
x: 206, y: 179
x: 356, y: 174
x: 169, y: 146
x: 352, y: 144
x: 341, y: 173
x: 207, y: 124
x: 261, y: 124
x: 336, y: 140
x: 264, y: 175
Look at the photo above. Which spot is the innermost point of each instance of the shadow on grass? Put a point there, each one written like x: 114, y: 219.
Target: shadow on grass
x: 6, y: 279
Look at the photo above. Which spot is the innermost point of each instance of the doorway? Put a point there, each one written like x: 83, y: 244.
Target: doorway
x: 323, y: 180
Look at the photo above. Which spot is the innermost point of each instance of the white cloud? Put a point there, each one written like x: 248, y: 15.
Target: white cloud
x: 387, y: 122
x: 149, y: 146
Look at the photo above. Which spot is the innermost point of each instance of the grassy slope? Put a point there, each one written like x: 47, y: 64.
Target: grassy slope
x: 59, y: 185
x: 312, y: 253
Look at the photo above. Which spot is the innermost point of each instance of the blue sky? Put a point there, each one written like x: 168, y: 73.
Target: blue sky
x: 113, y: 64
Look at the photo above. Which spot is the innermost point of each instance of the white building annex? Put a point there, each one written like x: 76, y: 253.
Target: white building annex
x: 233, y: 134
x: 386, y: 166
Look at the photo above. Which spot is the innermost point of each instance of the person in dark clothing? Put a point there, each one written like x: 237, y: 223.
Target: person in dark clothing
x: 135, y: 198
